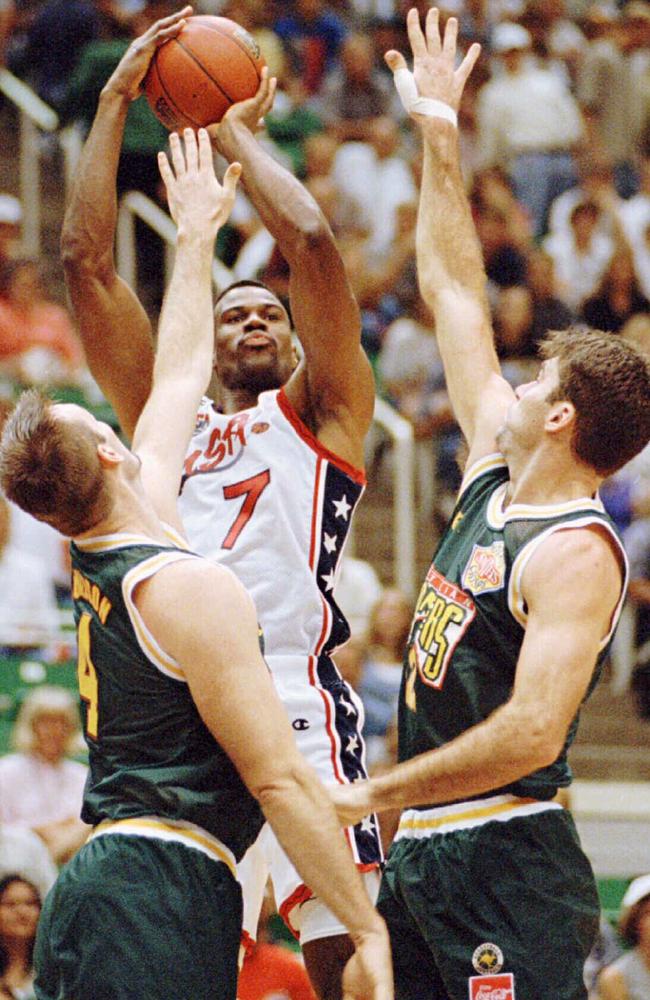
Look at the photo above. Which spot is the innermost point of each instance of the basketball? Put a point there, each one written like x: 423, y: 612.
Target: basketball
x: 195, y: 77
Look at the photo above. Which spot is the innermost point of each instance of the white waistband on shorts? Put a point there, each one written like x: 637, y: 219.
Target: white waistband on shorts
x: 418, y: 823
x: 160, y: 828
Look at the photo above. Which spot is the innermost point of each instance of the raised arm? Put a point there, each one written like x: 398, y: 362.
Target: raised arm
x: 449, y: 259
x: 199, y: 206
x: 571, y: 587
x: 114, y: 328
x: 201, y: 615
x: 333, y: 390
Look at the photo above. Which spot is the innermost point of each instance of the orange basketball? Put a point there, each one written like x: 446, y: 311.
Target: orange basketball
x: 196, y: 76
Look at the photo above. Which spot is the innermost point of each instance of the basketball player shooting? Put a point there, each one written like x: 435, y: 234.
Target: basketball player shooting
x: 275, y: 468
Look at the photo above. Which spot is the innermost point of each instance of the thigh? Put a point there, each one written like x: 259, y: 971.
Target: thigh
x: 138, y: 919
x: 509, y: 906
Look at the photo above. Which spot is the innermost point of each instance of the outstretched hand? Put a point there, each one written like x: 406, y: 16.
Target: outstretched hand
x: 132, y: 67
x: 249, y: 113
x: 198, y: 203
x: 434, y: 59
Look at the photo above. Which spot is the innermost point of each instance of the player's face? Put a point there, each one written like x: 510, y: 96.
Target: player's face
x: 524, y: 423
x: 253, y: 346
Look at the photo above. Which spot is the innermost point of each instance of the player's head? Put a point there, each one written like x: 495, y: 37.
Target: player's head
x: 53, y: 463
x: 607, y: 382
x: 253, y: 344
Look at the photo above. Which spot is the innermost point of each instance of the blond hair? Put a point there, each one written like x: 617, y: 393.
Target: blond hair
x: 47, y: 700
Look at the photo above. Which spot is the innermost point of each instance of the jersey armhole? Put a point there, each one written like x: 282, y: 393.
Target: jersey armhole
x: 147, y: 642
x: 301, y: 429
x: 515, y: 598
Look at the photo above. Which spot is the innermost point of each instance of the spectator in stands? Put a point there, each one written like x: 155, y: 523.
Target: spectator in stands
x: 356, y: 91
x: 23, y: 853
x: 55, y: 40
x: 628, y: 977
x: 580, y: 255
x: 312, y: 34
x: 39, y: 787
x: 11, y: 217
x: 20, y: 908
x: 503, y: 226
x: 634, y: 215
x: 549, y: 313
x: 37, y: 338
x: 271, y: 970
x: 390, y: 622
x: 618, y: 296
x: 28, y: 610
x: 529, y: 123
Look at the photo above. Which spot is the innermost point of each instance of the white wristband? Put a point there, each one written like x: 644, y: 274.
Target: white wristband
x: 413, y: 103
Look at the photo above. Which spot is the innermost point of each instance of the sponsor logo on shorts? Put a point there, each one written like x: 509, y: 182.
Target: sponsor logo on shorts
x: 488, y: 957
x: 492, y: 987
x: 486, y: 568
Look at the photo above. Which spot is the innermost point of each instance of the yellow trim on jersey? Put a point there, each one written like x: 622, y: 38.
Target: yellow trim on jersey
x: 106, y: 543
x: 164, y: 829
x: 175, y: 537
x: 148, y: 644
x: 497, y: 517
x: 515, y: 598
x: 466, y: 815
x: 482, y: 465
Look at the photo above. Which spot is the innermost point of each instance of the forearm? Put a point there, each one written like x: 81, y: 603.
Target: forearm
x: 504, y: 748
x: 286, y: 208
x: 448, y: 251
x: 305, y: 824
x: 91, y: 216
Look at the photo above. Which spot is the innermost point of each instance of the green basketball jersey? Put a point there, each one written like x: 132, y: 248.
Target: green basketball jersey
x: 150, y: 753
x: 470, y: 618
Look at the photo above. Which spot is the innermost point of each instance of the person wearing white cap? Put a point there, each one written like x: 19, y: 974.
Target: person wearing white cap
x: 528, y: 123
x: 628, y: 978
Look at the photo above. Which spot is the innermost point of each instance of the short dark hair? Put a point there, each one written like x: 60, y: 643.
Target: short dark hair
x: 608, y: 382
x: 242, y: 284
x: 50, y: 468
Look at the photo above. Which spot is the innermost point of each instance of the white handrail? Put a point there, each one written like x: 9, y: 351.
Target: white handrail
x: 401, y: 432
x: 133, y: 204
x: 27, y: 101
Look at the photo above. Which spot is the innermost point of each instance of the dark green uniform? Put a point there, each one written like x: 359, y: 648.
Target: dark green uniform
x: 493, y: 894
x: 149, y: 908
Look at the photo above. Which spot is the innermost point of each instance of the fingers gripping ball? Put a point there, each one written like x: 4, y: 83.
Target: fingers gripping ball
x: 195, y: 77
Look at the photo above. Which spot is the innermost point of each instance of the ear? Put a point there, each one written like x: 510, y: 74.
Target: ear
x: 108, y: 457
x: 561, y: 415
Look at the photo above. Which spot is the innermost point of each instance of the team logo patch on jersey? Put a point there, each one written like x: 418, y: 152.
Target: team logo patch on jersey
x: 260, y: 427
x: 486, y: 568
x: 488, y: 957
x: 492, y: 987
x: 202, y: 421
x: 442, y: 615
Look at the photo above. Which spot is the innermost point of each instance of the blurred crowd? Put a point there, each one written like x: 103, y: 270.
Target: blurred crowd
x: 555, y: 129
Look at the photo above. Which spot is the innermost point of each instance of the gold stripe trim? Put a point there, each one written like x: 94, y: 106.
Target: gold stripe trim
x: 181, y: 835
x: 484, y: 812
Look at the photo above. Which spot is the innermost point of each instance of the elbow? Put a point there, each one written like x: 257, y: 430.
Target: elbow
x: 540, y: 738
x: 270, y: 789
x: 311, y: 233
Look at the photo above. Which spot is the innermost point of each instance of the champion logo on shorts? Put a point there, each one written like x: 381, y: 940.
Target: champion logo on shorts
x: 501, y: 987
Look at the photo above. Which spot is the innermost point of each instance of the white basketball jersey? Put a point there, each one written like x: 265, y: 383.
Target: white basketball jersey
x: 263, y: 496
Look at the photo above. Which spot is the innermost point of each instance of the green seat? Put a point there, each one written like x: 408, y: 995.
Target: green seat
x: 611, y: 892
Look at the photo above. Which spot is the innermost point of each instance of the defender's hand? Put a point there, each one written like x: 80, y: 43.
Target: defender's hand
x: 368, y: 975
x: 198, y: 203
x: 132, y: 67
x: 434, y: 59
x: 249, y: 113
x: 352, y: 802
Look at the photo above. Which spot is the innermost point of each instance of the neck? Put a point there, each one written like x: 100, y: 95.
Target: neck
x: 231, y: 400
x: 132, y: 514
x: 546, y: 478
x: 18, y: 964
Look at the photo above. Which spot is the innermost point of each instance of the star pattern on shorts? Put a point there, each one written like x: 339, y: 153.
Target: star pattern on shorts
x: 329, y: 579
x: 330, y: 542
x: 353, y: 744
x: 342, y: 506
x: 367, y: 825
